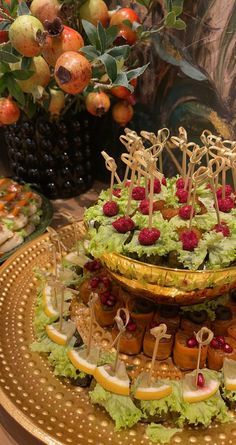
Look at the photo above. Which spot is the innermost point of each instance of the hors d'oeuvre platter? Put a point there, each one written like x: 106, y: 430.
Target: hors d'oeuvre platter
x: 101, y: 360
x: 24, y: 214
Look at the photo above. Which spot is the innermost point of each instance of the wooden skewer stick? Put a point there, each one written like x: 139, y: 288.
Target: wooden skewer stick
x: 218, y: 165
x: 61, y: 308
x: 121, y: 325
x: 132, y: 142
x: 92, y: 300
x: 199, y: 177
x: 132, y: 164
x: 151, y: 193
x: 73, y: 221
x: 195, y: 158
x: 112, y: 167
x: 208, y: 334
x: 181, y: 142
x: 158, y: 332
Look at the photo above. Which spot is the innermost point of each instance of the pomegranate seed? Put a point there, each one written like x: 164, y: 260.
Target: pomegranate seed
x: 106, y: 281
x: 227, y: 348
x: 220, y: 339
x: 215, y: 344
x: 112, y: 297
x: 200, y: 380
x: 103, y: 299
x: 94, y: 282
x: 192, y: 342
x: 131, y: 326
x: 110, y: 302
x: 93, y: 266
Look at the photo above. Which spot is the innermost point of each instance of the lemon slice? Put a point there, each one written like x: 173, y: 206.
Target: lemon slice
x: 229, y: 371
x: 49, y: 309
x: 192, y: 394
x: 80, y: 361
x: 152, y: 392
x: 103, y: 375
x: 61, y: 337
x: 78, y: 259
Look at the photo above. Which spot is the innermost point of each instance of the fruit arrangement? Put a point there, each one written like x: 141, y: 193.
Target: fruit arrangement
x: 56, y: 55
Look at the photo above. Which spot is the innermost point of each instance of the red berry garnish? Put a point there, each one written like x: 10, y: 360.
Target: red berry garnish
x: 131, y: 326
x: 94, y: 282
x: 200, y: 380
x: 147, y: 237
x: 220, y: 339
x: 144, y: 207
x: 226, y: 204
x: 228, y: 191
x: 103, y: 298
x: 215, y: 344
x: 157, y: 185
x: 127, y: 184
x: 192, y: 342
x: 106, y: 281
x: 117, y: 193
x: 182, y: 195
x: 123, y: 224
x: 138, y: 193
x: 227, y: 348
x: 110, y: 208
x: 185, y: 212
x: 189, y: 239
x: 110, y: 302
x: 93, y: 266
x: 163, y: 181
x: 180, y: 183
x: 222, y: 228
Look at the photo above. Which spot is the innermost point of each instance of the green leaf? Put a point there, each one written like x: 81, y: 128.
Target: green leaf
x: 91, y: 32
x: 90, y: 52
x: 132, y: 74
x: 170, y: 19
x: 4, y: 68
x: 144, y: 3
x: 31, y: 108
x: 22, y: 75
x: 8, y: 57
x: 120, y: 51
x: 180, y: 24
x: 25, y: 63
x: 4, y: 25
x: 111, y: 34
x: 128, y: 23
x: 102, y: 37
x: 122, y: 80
x: 3, y: 83
x: 15, y: 90
x: 110, y: 65
x: 23, y: 9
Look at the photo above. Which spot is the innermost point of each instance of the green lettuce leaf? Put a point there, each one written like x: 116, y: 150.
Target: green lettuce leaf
x: 121, y: 408
x: 160, y: 434
x: 229, y: 396
x: 106, y: 239
x: 208, y: 306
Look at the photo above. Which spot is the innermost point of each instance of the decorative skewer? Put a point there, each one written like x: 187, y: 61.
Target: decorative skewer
x: 152, y: 169
x: 131, y: 162
x: 132, y: 142
x: 158, y: 332
x: 217, y: 163
x: 111, y: 167
x: 195, y: 158
x: 74, y: 222
x: 208, y: 334
x: 92, y: 300
x: 121, y: 325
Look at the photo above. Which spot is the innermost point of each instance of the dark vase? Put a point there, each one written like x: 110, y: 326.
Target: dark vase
x: 55, y: 156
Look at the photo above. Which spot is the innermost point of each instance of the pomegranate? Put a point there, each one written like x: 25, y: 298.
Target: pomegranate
x: 23, y: 35
x: 122, y: 113
x: 45, y: 9
x: 97, y: 103
x: 126, y: 33
x: 94, y: 11
x: 41, y: 76
x: 123, y: 92
x: 57, y: 102
x: 72, y: 72
x: 9, y: 111
x: 68, y: 40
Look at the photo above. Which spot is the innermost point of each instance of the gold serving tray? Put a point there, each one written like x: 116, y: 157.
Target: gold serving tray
x: 49, y: 408
x: 166, y: 285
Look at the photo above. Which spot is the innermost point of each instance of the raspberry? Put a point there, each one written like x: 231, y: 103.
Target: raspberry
x: 144, y: 207
x: 123, y: 224
x: 185, y: 212
x: 228, y: 191
x: 182, y: 195
x: 117, y: 193
x: 157, y: 185
x: 223, y: 228
x: 110, y: 208
x: 138, y: 193
x: 179, y: 183
x: 226, y: 205
x: 127, y: 184
x: 227, y: 348
x: 147, y: 237
x: 215, y: 344
x: 163, y: 181
x: 189, y: 239
x: 131, y: 326
x: 192, y: 342
x: 93, y: 266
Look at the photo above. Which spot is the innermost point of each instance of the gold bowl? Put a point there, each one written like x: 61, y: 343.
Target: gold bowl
x: 166, y: 285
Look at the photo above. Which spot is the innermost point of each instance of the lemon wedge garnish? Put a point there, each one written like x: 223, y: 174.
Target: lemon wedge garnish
x: 229, y: 371
x: 77, y: 258
x: 152, y: 392
x: 103, y: 375
x: 192, y: 394
x: 61, y: 337
x: 49, y: 309
x: 80, y: 361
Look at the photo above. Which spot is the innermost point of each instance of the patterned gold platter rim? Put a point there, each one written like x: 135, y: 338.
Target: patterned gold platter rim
x: 53, y: 410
